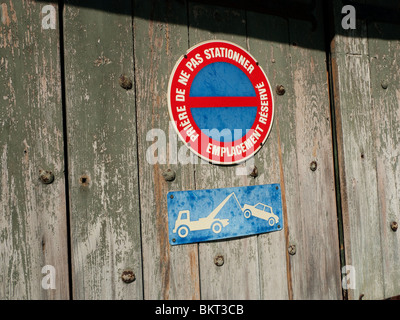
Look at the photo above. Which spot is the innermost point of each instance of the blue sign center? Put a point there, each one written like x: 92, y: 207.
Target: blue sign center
x: 219, y: 122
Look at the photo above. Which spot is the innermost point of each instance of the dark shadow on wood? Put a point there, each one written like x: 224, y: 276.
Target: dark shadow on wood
x: 305, y: 11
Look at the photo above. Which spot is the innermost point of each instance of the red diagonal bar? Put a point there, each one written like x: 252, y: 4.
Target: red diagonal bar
x: 215, y: 102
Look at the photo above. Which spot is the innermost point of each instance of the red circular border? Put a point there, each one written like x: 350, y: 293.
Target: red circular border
x: 200, y: 145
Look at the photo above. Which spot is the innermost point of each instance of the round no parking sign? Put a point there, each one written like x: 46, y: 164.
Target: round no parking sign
x: 221, y: 102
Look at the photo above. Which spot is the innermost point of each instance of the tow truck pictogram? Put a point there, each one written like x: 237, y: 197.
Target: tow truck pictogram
x: 183, y: 224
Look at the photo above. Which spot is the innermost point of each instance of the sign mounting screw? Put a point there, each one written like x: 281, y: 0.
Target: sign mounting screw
x: 394, y: 226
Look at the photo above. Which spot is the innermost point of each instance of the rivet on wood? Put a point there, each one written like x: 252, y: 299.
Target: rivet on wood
x: 128, y: 276
x: 384, y: 84
x: 125, y: 82
x: 219, y: 260
x: 292, y: 249
x: 394, y: 226
x: 45, y: 176
x: 313, y: 165
x: 254, y: 173
x: 280, y: 90
x: 169, y: 175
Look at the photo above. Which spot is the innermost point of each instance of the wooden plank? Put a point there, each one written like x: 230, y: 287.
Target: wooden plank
x: 33, y: 228
x: 385, y: 91
x: 357, y: 158
x: 384, y: 69
x: 102, y: 148
x: 315, y: 268
x: 303, y: 135
x: 238, y: 278
x: 269, y: 45
x: 384, y: 49
x: 313, y: 272
x: 169, y: 272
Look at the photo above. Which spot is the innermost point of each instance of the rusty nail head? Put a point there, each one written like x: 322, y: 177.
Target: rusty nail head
x: 384, y: 84
x: 128, y: 276
x: 394, y: 226
x: 45, y: 176
x: 219, y: 260
x: 292, y: 249
x: 169, y: 175
x: 84, y: 180
x: 313, y: 165
x: 125, y: 82
x: 171, y: 196
x: 280, y: 90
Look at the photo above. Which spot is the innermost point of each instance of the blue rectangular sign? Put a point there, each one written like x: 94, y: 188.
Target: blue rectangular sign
x: 204, y: 215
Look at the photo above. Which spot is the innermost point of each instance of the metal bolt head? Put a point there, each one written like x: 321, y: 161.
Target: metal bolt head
x: 169, y: 175
x: 394, y: 226
x: 219, y: 260
x: 292, y: 249
x: 313, y: 165
x: 384, y: 84
x: 45, y: 176
x: 280, y: 90
x: 128, y: 276
x: 125, y: 82
x: 254, y: 173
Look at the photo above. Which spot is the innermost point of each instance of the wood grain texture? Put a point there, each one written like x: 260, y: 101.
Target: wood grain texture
x: 117, y: 192
x: 301, y: 134
x: 312, y: 221
x: 103, y: 170
x: 310, y: 203
x: 169, y: 272
x: 33, y: 228
x: 367, y: 133
x: 238, y: 278
x: 385, y: 92
x: 269, y: 44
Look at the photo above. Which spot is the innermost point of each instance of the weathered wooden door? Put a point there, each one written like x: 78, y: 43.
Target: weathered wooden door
x: 85, y: 103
